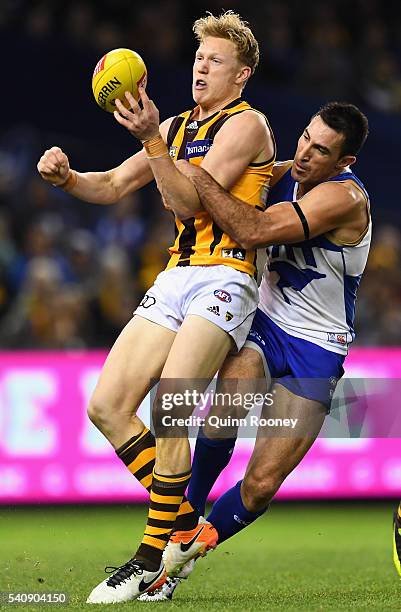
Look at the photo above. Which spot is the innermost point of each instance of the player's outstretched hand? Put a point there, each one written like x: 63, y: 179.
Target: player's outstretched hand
x: 54, y: 166
x: 143, y: 123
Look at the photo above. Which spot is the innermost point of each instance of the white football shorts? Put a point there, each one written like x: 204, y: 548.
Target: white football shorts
x: 226, y: 297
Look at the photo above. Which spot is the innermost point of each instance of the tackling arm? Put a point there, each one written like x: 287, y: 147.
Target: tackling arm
x: 326, y: 207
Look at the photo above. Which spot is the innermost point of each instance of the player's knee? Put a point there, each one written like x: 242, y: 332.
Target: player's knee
x: 97, y: 413
x: 106, y: 416
x: 258, y: 489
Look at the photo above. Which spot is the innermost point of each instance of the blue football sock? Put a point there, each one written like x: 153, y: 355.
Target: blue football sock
x: 210, y: 459
x: 229, y: 515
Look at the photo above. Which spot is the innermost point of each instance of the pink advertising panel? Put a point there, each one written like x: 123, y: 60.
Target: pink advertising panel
x: 51, y: 453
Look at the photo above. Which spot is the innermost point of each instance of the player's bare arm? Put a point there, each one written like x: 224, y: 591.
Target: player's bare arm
x: 326, y: 208
x: 244, y: 138
x: 98, y: 187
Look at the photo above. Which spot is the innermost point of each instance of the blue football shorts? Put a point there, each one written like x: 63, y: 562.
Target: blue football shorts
x: 304, y: 368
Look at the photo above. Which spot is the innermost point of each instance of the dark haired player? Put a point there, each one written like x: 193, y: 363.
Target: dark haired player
x: 317, y: 228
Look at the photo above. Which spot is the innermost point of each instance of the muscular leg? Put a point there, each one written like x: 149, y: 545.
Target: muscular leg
x: 137, y: 357
x: 272, y: 460
x: 198, y: 351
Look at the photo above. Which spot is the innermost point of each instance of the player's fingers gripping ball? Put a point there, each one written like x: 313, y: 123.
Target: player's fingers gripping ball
x: 115, y: 73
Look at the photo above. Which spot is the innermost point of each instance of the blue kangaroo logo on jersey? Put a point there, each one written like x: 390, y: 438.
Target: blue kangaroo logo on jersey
x: 290, y: 275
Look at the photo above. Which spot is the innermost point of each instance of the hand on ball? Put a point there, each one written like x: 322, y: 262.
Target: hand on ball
x: 143, y: 123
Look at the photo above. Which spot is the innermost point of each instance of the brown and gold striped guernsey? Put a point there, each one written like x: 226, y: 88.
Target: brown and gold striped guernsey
x: 199, y: 241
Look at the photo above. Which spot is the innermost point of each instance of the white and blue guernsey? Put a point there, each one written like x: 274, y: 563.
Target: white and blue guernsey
x: 309, y: 288
x: 305, y: 318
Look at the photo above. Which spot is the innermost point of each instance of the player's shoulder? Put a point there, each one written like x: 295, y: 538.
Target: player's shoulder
x: 247, y: 125
x: 248, y: 116
x: 356, y: 191
x: 344, y: 189
x: 345, y: 194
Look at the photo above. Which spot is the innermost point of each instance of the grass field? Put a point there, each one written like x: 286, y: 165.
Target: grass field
x: 298, y: 557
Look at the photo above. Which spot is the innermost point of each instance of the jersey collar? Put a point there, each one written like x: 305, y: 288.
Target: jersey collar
x: 195, y: 112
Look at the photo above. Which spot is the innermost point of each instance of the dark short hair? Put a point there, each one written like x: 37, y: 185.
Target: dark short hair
x: 348, y: 120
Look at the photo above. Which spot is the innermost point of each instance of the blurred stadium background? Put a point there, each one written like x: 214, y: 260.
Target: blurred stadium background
x: 71, y: 273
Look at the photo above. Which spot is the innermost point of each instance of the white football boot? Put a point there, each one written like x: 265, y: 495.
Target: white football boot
x: 127, y: 583
x: 166, y: 592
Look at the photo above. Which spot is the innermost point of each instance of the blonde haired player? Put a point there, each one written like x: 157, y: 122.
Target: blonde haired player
x: 202, y: 305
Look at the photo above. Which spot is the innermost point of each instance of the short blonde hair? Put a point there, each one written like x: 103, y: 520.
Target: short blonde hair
x: 230, y: 26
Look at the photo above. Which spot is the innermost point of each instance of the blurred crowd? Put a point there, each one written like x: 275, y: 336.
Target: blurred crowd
x: 72, y: 273
x: 67, y: 281
x: 333, y: 49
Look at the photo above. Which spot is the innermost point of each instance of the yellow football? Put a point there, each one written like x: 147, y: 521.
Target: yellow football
x: 115, y: 73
